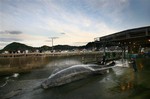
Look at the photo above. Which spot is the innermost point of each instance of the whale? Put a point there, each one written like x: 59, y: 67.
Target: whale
x: 72, y: 73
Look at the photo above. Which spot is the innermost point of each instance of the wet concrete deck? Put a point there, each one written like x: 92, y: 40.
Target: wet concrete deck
x: 120, y: 82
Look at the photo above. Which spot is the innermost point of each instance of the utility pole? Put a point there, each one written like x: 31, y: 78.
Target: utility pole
x: 53, y: 42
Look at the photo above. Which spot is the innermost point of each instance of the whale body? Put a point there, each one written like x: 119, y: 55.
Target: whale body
x: 70, y: 74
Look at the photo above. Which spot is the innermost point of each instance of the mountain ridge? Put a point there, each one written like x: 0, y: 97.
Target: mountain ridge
x: 15, y: 46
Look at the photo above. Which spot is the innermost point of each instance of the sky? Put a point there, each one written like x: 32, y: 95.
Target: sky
x: 70, y: 22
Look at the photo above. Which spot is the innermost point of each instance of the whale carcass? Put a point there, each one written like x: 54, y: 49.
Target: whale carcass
x: 71, y: 74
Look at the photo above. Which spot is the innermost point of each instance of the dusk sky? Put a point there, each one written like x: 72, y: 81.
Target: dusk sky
x: 74, y: 22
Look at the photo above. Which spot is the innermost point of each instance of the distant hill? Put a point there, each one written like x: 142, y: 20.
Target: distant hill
x: 64, y: 47
x: 44, y: 48
x: 57, y: 47
x: 17, y: 46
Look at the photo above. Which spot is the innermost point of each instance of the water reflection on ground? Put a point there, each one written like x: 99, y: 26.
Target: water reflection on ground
x: 120, y: 82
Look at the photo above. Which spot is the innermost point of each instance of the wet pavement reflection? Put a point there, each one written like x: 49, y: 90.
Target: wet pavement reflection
x: 120, y: 82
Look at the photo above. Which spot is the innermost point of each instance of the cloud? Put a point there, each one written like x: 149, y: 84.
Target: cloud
x: 80, y: 43
x: 109, y: 11
x: 14, y: 32
x: 10, y: 32
x: 50, y: 15
x: 31, y: 40
x: 9, y: 39
x: 71, y: 20
x: 18, y: 36
x: 10, y: 36
x: 53, y: 18
x: 48, y: 40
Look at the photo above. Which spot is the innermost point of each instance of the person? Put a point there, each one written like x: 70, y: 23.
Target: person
x: 103, y: 60
x: 133, y: 62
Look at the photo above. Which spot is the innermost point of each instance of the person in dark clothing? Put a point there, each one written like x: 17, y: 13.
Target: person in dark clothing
x: 133, y: 62
x: 103, y: 60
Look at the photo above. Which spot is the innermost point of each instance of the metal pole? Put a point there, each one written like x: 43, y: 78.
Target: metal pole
x: 104, y: 53
x: 53, y: 42
x: 124, y: 52
x: 52, y: 45
x: 104, y: 47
